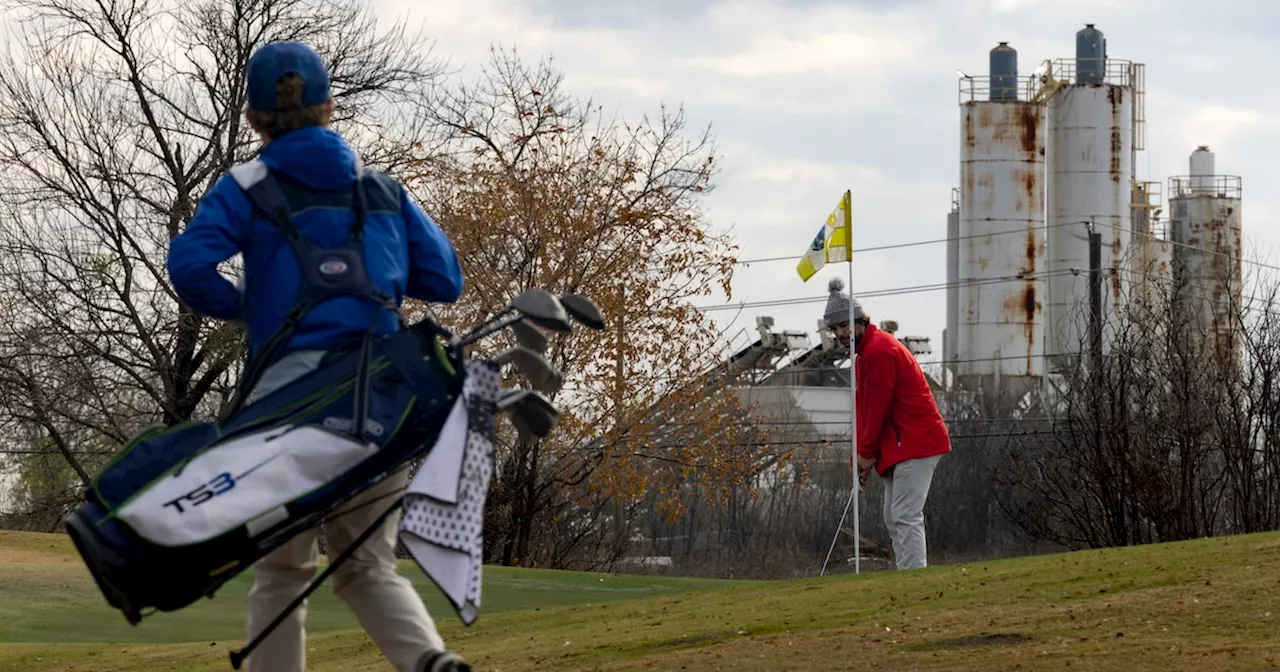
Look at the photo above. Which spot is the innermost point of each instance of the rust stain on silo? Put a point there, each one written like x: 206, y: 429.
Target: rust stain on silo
x: 1024, y: 307
x: 1022, y: 175
x: 1033, y: 247
x: 985, y: 195
x: 970, y: 140
x: 1115, y: 96
x: 1029, y: 119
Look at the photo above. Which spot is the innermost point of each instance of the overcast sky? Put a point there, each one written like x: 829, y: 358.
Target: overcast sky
x: 810, y: 98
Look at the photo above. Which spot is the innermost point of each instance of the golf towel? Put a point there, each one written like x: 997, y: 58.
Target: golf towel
x: 443, y: 522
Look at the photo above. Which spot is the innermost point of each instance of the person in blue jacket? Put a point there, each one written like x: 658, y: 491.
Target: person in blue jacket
x: 405, y: 254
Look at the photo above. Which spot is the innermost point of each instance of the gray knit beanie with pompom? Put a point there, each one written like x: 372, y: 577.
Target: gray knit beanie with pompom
x: 840, y: 308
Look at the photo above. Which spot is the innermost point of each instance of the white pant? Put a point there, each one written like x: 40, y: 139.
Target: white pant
x: 385, y: 603
x: 904, y: 496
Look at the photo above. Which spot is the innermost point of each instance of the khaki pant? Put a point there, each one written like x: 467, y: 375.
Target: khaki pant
x: 905, y: 494
x: 385, y: 603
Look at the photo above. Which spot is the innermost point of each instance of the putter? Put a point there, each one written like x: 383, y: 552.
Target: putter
x: 584, y: 310
x: 543, y: 309
x: 530, y: 337
x: 530, y: 412
x: 544, y: 377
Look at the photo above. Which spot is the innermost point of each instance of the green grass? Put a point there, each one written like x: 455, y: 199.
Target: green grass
x: 1208, y: 603
x: 47, y: 594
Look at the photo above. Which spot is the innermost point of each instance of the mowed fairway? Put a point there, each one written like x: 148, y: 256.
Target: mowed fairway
x: 1210, y: 603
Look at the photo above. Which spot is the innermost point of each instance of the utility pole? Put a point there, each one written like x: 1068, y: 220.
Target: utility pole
x: 619, y: 527
x: 1095, y: 294
x: 1095, y: 333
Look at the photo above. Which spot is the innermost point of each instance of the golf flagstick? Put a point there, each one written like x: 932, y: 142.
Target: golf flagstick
x: 854, y: 499
x: 853, y: 428
x: 818, y: 255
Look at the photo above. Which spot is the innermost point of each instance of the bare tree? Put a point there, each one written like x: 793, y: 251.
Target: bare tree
x: 1168, y: 435
x: 1246, y: 409
x: 114, y: 120
x: 771, y: 525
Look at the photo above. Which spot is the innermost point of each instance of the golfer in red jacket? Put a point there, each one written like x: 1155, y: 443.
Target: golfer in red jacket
x: 901, y: 434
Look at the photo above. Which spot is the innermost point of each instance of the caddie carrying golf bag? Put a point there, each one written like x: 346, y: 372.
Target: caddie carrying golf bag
x: 180, y: 511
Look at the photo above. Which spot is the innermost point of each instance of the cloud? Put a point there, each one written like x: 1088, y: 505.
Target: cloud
x: 810, y: 98
x: 1012, y: 5
x: 762, y: 40
x: 1217, y: 122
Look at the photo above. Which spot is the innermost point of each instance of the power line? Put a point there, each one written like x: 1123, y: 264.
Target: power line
x: 845, y: 423
x: 895, y: 246
x: 14, y: 451
x: 1023, y: 231
x: 1196, y: 248
x: 843, y: 442
x: 845, y: 369
x: 899, y: 246
x: 947, y: 285
x: 1265, y: 309
x: 896, y: 291
x: 838, y: 442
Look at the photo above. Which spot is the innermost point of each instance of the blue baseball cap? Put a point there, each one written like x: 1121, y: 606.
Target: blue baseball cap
x: 277, y: 59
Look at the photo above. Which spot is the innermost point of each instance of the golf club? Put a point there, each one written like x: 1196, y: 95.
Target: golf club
x: 530, y: 336
x: 543, y: 309
x: 538, y: 307
x: 541, y: 374
x: 530, y: 412
x: 584, y: 310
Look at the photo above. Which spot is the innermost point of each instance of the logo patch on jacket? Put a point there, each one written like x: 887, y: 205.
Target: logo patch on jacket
x: 333, y: 267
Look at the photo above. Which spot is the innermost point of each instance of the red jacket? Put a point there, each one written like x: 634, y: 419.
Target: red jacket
x: 898, y: 418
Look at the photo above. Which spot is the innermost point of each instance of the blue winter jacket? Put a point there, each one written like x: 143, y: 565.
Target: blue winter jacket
x: 406, y: 253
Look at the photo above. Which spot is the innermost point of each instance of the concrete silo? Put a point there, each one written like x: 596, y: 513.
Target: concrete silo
x: 1151, y: 263
x: 952, y: 330
x: 1206, y: 232
x: 1001, y: 250
x: 1091, y: 119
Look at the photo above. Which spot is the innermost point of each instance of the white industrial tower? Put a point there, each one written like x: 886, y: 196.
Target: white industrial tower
x: 1205, y: 227
x: 1000, y: 251
x: 950, y: 335
x: 1094, y: 106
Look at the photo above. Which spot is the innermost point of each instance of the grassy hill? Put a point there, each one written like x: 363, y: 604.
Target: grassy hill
x: 1209, y: 603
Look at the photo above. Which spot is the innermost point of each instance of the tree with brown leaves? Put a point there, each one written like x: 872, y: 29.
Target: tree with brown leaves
x: 540, y: 189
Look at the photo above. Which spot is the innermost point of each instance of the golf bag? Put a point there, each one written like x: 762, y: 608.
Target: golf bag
x: 182, y: 510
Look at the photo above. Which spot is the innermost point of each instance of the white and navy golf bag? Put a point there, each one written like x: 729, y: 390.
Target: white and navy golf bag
x: 180, y: 511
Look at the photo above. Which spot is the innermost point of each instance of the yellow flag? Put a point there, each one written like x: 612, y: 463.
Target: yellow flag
x: 834, y: 242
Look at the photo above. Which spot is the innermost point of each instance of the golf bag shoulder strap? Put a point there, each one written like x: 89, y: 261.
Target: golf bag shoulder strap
x: 325, y: 272
x: 259, y: 184
x: 382, y: 192
x: 276, y: 191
